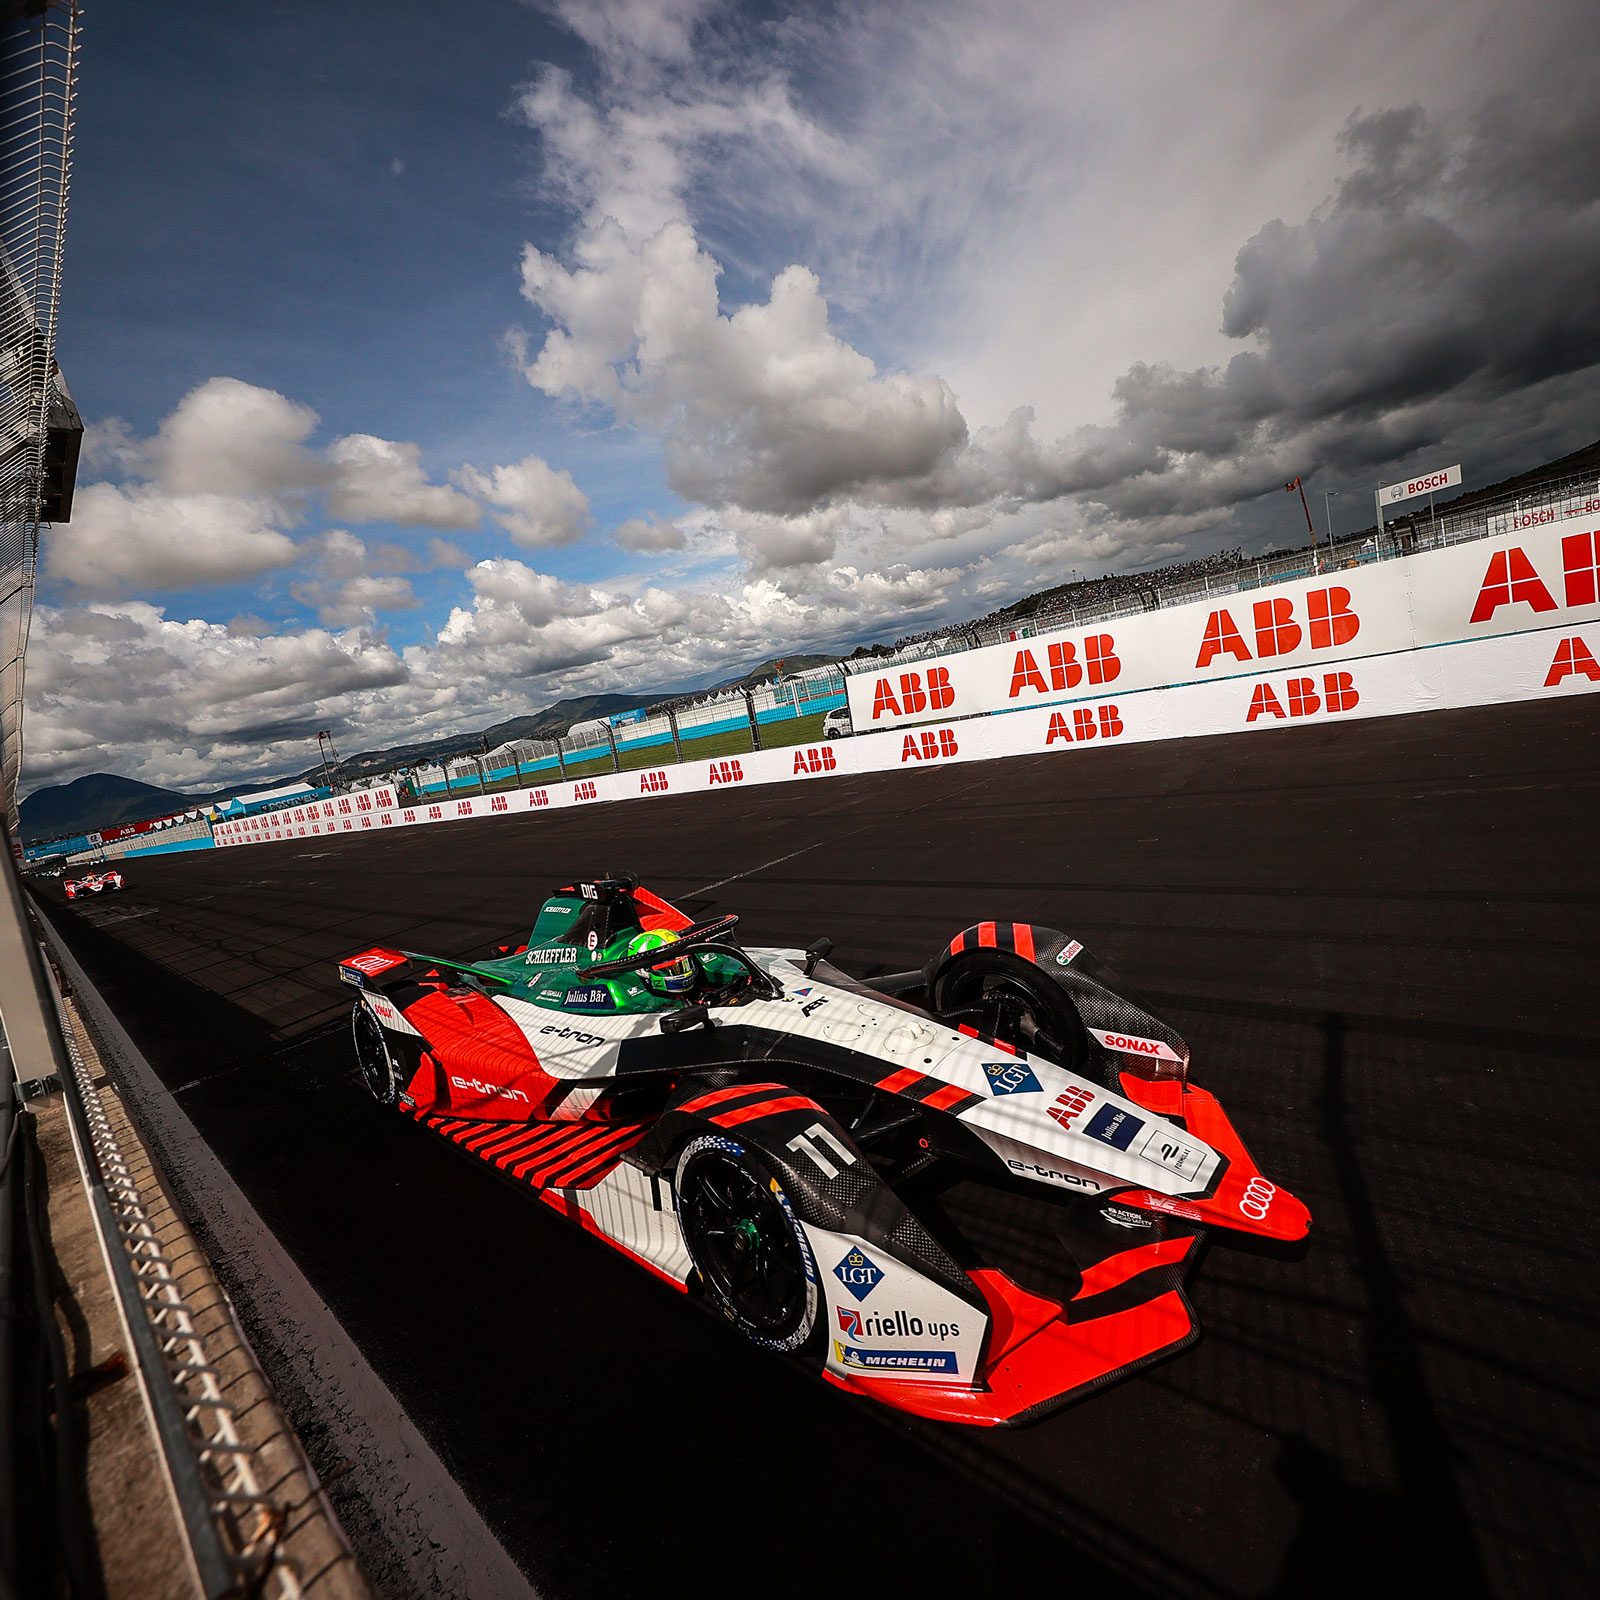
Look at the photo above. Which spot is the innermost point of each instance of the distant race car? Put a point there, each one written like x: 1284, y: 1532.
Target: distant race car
x: 92, y: 883
x: 971, y: 1192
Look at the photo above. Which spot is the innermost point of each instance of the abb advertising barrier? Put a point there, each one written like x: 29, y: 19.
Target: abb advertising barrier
x: 1523, y: 581
x: 1542, y: 664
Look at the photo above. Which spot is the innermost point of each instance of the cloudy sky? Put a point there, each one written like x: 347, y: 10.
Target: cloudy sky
x: 439, y: 362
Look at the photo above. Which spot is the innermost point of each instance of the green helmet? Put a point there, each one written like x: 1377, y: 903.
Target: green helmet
x: 670, y: 977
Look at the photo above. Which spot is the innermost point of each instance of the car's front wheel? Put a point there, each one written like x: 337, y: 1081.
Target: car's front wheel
x: 372, y: 1056
x: 751, y: 1252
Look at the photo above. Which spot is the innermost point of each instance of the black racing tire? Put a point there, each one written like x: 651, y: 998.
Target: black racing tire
x: 754, y: 1260
x: 373, y: 1056
x: 1013, y: 1001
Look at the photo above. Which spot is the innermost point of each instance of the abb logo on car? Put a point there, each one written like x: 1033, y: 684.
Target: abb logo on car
x: 936, y: 695
x: 1073, y: 1102
x: 1083, y: 725
x: 1339, y: 693
x: 1257, y: 1197
x: 725, y: 772
x: 1329, y: 622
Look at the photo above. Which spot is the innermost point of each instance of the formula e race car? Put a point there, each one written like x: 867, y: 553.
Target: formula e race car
x: 92, y: 883
x: 971, y: 1192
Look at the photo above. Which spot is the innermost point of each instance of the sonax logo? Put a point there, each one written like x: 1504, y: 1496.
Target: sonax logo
x: 859, y: 1274
x: 1131, y: 1044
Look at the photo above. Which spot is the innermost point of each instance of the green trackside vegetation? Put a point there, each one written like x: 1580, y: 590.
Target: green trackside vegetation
x: 732, y: 742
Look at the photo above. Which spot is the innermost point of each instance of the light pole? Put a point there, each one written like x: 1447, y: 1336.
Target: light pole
x: 1327, y: 520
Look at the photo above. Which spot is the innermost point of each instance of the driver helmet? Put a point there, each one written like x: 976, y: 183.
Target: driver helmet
x: 668, y: 977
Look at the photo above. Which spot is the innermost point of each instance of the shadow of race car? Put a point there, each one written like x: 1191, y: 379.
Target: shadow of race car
x: 971, y: 1191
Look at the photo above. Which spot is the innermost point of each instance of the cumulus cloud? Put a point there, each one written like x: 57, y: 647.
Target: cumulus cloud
x: 210, y: 498
x: 379, y: 480
x: 352, y: 583
x: 649, y: 535
x: 537, y: 505
x: 121, y: 685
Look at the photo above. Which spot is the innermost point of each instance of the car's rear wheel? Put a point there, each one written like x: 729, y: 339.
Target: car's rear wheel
x: 372, y: 1056
x: 748, y: 1245
x: 1013, y: 1001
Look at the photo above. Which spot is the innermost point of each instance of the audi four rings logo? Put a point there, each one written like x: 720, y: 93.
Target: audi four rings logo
x: 1257, y: 1197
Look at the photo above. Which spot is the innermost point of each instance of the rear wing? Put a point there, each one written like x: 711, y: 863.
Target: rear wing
x: 375, y: 969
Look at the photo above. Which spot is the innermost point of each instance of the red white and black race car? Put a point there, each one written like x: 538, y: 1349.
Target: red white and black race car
x: 971, y: 1191
x: 92, y: 883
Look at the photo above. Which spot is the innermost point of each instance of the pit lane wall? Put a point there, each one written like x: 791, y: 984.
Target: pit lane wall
x: 1498, y: 620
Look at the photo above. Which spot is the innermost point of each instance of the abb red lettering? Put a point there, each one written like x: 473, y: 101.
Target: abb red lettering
x: 435, y: 813
x: 930, y: 745
x: 912, y: 699
x: 726, y: 772
x: 364, y: 802
x: 1509, y: 581
x: 1264, y: 702
x: 1058, y: 729
x: 1025, y: 673
x: 1065, y: 673
x: 813, y: 759
x: 463, y: 808
x: 1221, y: 634
x: 1580, y: 560
x: 1339, y: 691
x: 1572, y: 656
x: 497, y: 803
x: 883, y: 700
x: 1303, y: 698
x: 1110, y: 722
x: 585, y: 791
x: 1082, y: 725
x: 652, y: 782
x: 940, y: 695
x: 1277, y: 633
x: 538, y: 797
x: 1083, y: 722
x: 1332, y: 620
x: 1100, y: 651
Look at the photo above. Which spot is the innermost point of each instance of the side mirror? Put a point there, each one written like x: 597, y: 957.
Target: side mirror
x: 689, y: 1017
x: 820, y: 951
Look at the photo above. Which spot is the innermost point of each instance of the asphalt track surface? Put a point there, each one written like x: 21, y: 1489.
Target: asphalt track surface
x: 1379, y: 939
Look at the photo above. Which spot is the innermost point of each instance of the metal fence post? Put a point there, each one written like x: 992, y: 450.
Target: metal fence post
x: 750, y: 711
x: 677, y: 742
x: 561, y: 759
x: 611, y: 739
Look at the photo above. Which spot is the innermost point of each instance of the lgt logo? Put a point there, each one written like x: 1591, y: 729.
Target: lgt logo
x: 1011, y: 1077
x: 937, y: 695
x: 1339, y: 693
x: 859, y: 1274
x: 930, y: 746
x: 1083, y: 724
x: 1074, y: 1102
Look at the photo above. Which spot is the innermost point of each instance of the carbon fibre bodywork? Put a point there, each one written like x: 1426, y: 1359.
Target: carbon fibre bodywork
x: 994, y: 1170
